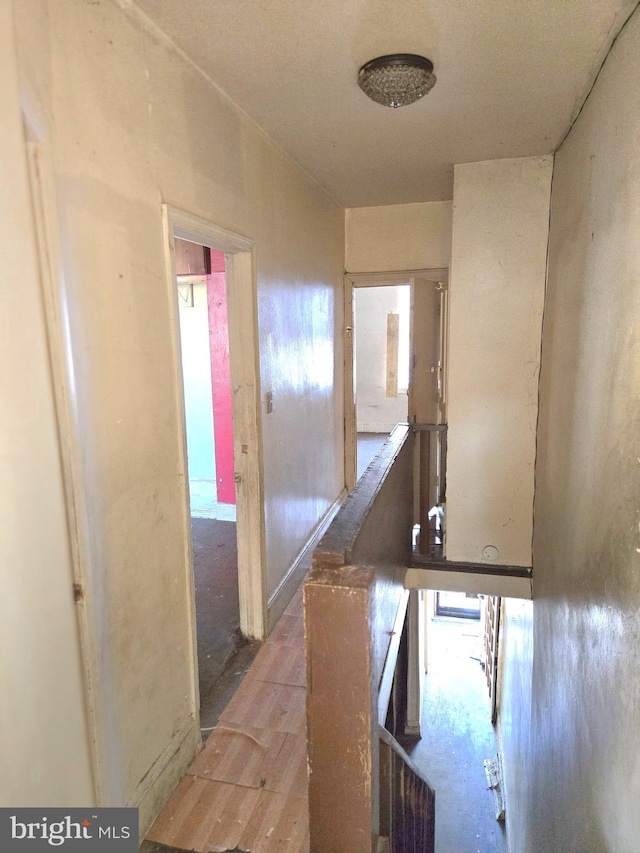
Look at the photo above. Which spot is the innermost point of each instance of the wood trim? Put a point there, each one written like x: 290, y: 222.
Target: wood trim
x: 281, y: 596
x: 247, y: 415
x: 424, y: 562
x: 247, y: 437
x: 393, y: 331
x: 191, y: 279
x: 188, y: 226
x: 388, y: 671
x: 350, y: 425
x: 187, y: 550
x: 415, y: 663
x: 380, y: 279
x: 335, y: 547
x: 393, y: 744
x: 472, y: 582
x: 47, y: 230
x: 165, y: 773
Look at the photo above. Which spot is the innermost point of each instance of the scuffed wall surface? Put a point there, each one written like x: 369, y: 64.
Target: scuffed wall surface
x: 132, y: 124
x: 585, y: 758
x: 45, y: 757
x: 500, y: 229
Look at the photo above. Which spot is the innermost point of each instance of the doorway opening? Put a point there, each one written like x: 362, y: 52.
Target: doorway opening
x: 395, y: 362
x: 380, y: 365
x: 204, y: 343
x: 214, y: 318
x: 206, y: 380
x: 458, y: 713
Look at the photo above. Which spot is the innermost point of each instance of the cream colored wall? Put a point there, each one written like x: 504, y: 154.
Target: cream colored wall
x: 584, y: 760
x: 398, y: 237
x: 500, y: 227
x: 132, y: 124
x: 44, y: 748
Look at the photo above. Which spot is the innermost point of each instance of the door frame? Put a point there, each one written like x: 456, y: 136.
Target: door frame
x: 242, y: 309
x: 351, y: 281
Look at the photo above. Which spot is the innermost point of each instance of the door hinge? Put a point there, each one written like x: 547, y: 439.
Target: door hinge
x: 78, y: 593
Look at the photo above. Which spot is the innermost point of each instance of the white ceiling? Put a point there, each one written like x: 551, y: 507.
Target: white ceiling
x: 511, y: 75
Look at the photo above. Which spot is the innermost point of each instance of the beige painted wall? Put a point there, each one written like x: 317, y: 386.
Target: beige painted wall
x: 500, y: 227
x: 132, y: 124
x: 44, y: 744
x: 584, y: 760
x: 398, y: 237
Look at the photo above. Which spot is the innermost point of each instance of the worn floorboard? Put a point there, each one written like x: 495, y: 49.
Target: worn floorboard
x: 247, y: 790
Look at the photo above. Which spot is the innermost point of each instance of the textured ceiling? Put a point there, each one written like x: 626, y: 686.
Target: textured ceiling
x: 511, y: 75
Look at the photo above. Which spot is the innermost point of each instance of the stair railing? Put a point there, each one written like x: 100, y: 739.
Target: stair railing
x: 407, y: 801
x: 430, y: 468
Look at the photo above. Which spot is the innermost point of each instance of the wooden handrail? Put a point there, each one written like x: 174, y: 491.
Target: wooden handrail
x: 393, y: 744
x: 407, y: 800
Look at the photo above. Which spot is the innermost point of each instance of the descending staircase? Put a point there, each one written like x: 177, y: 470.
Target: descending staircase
x: 407, y: 802
x: 364, y: 793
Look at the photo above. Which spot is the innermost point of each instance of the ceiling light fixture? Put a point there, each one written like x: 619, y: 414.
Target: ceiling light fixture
x: 397, y: 79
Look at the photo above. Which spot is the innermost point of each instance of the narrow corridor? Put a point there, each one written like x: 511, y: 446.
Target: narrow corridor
x: 457, y: 737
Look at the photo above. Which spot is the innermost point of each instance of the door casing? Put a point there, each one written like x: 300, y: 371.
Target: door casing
x: 247, y: 432
x: 377, y: 279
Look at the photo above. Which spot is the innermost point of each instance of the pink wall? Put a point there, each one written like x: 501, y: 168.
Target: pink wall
x: 221, y: 379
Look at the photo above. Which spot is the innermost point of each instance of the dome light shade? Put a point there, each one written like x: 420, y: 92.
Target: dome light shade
x: 397, y: 79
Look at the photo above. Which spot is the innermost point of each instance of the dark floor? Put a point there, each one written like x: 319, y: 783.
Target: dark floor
x: 457, y: 738
x: 369, y: 443
x: 223, y: 655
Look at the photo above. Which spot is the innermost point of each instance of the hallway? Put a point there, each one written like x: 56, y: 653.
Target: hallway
x: 457, y: 737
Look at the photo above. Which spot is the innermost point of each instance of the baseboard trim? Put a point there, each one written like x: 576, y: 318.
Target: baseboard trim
x: 285, y: 590
x: 164, y: 774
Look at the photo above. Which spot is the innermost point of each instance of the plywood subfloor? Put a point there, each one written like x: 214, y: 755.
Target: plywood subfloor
x: 247, y: 790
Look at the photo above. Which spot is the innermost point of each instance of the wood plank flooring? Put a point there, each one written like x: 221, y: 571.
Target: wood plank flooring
x: 248, y: 790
